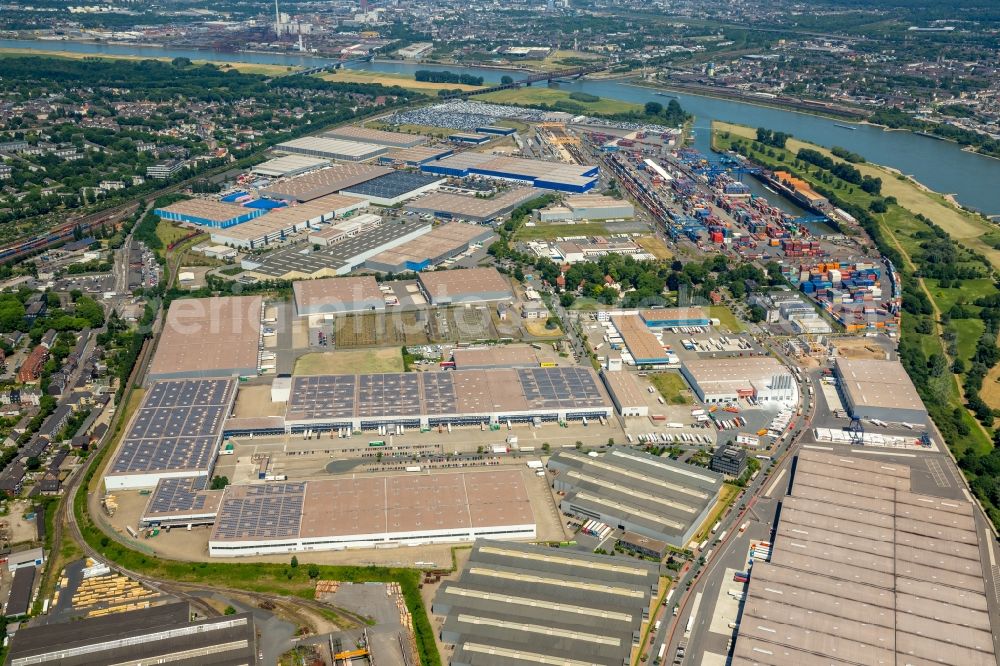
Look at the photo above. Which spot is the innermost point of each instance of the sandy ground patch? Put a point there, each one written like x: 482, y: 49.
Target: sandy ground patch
x: 654, y: 246
x: 859, y: 348
x: 356, y: 361
x: 252, y: 401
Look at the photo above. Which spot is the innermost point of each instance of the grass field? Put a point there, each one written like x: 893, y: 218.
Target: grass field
x: 245, y: 67
x: 964, y: 227
x: 726, y: 496
x: 355, y: 361
x: 543, y: 95
x: 725, y: 317
x: 439, y: 132
x: 390, y: 79
x: 551, y: 231
x: 536, y: 328
x: 168, y: 232
x: 672, y: 387
x: 655, y: 247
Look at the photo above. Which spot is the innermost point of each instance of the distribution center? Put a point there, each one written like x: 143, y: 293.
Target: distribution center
x: 635, y: 491
x: 517, y: 604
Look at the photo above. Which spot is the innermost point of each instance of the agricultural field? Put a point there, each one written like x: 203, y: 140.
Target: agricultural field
x: 463, y: 324
x: 355, y: 361
x: 672, y: 387
x: 380, y: 330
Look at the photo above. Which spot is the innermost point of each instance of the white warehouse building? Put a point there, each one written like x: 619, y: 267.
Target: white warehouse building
x: 725, y: 380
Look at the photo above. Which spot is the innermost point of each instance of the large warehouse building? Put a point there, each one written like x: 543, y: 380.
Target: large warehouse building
x: 447, y: 205
x: 635, y: 491
x: 323, y: 182
x: 537, y: 173
x: 419, y: 254
x: 209, y: 337
x: 332, y: 149
x: 463, y: 397
x: 467, y: 285
x: 163, y: 634
x: 350, y: 253
x: 675, y: 317
x: 629, y: 399
x: 376, y: 136
x: 882, y: 390
x: 282, y: 223
x: 207, y: 213
x: 395, y: 187
x: 289, y: 165
x: 644, y: 348
x: 725, y: 380
x: 581, y: 207
x: 337, y: 296
x: 371, y: 512
x: 865, y: 571
x: 517, y: 604
x: 176, y: 432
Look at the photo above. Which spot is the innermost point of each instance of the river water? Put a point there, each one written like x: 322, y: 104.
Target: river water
x: 940, y: 165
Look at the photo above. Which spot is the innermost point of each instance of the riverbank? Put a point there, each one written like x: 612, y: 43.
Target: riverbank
x: 535, y: 95
x: 391, y: 79
x: 245, y: 67
x: 968, y: 228
x: 808, y: 108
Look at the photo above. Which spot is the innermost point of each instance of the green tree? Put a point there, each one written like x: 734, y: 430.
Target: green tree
x: 229, y: 611
x: 220, y: 482
x: 653, y: 108
x: 295, y: 562
x: 506, y: 80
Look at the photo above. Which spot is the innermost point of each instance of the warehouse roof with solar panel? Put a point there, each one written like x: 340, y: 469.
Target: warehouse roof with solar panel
x: 175, y: 432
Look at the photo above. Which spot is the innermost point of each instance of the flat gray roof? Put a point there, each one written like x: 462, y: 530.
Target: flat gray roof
x: 878, y: 383
x: 303, y: 261
x: 372, y: 506
x: 517, y: 604
x: 209, y: 337
x: 866, y: 572
x: 661, y: 495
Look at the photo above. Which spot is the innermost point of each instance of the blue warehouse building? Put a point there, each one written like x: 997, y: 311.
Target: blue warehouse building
x: 473, y: 139
x: 537, y: 173
x: 675, y: 317
x: 208, y: 213
x: 498, y: 131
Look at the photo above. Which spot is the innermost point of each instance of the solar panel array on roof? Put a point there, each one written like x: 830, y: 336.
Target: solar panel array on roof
x: 397, y: 393
x: 269, y: 511
x: 331, y: 397
x: 176, y: 428
x: 173, y: 495
x: 323, y: 396
x: 558, y: 388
